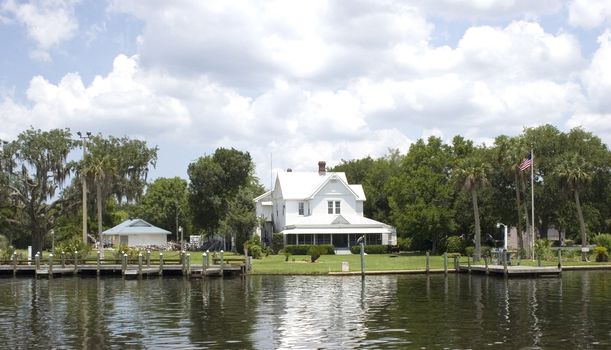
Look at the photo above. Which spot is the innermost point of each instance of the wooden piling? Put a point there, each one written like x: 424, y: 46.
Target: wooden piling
x: 445, y: 263
x: 14, y: 263
x: 160, y: 264
x: 486, y: 263
x: 456, y: 264
x: 37, y: 259
x: 505, y: 264
x: 51, y: 265
x: 427, y: 262
x: 63, y: 260
x: 139, y: 264
x: 560, y: 258
x: 188, y: 258
x: 97, y: 271
x: 222, y: 263
x: 124, y: 263
x: 75, y: 261
x: 148, y: 258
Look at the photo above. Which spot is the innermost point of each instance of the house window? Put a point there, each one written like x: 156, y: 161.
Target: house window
x: 301, y: 208
x: 337, y: 207
x: 330, y: 207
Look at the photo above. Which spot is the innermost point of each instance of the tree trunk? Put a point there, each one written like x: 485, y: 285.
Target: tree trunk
x: 98, y: 194
x: 478, y: 234
x: 37, y: 237
x: 582, y: 225
x: 519, y: 225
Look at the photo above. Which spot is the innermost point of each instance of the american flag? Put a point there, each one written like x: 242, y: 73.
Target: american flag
x: 527, y: 162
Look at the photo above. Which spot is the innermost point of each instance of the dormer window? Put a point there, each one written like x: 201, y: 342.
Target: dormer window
x: 333, y: 207
x: 301, y: 208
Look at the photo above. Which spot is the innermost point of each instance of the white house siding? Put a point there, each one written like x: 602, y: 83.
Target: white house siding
x: 146, y: 239
x: 359, y: 207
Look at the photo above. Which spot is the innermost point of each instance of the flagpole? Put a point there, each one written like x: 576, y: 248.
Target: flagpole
x: 532, y: 202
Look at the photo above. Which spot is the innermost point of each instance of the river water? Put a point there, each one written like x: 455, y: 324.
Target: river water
x: 309, y: 312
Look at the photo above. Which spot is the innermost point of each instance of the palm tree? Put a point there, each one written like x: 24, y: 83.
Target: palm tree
x: 471, y: 175
x: 101, y: 169
x: 574, y: 173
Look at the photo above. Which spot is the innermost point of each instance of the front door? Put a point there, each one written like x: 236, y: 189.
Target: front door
x: 340, y: 241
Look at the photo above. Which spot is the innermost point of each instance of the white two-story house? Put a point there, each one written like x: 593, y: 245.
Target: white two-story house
x: 319, y: 208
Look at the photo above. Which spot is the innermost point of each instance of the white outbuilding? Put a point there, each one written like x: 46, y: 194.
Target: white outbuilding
x: 136, y: 232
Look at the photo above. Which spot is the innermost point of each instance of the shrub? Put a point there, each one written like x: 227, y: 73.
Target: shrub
x: 602, y: 254
x: 370, y: 249
x: 543, y: 249
x: 404, y: 243
x: 132, y: 252
x: 470, y: 250
x: 315, y: 252
x: 277, y: 242
x: 454, y: 244
x: 287, y: 255
x: 6, y: 250
x: 255, y: 251
x: 303, y: 249
x: 72, y: 245
x: 453, y: 255
x: 603, y: 240
x: 569, y: 242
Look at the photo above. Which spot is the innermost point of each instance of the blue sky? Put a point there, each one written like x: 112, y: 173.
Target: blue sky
x: 304, y: 81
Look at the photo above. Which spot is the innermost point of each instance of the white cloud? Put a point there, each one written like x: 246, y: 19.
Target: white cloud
x: 322, y: 80
x: 588, y: 13
x: 489, y: 9
x: 48, y: 22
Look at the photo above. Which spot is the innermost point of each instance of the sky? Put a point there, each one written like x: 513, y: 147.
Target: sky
x: 295, y: 82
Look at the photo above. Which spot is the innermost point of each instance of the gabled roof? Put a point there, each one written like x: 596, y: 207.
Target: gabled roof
x: 304, y: 185
x: 135, y: 226
x: 263, y: 196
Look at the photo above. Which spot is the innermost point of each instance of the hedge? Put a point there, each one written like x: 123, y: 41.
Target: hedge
x: 370, y: 249
x: 302, y: 249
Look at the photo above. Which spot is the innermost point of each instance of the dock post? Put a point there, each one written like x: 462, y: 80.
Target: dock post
x: 188, y: 258
x: 98, y: 266
x: 183, y: 262
x: 560, y: 259
x: 139, y: 264
x: 37, y: 258
x: 519, y: 257
x: 124, y: 263
x: 486, y: 263
x: 63, y: 260
x: 505, y: 271
x: 222, y: 264
x: 148, y: 258
x: 51, y: 265
x: 204, y: 263
x: 445, y: 263
x: 160, y: 264
x: 456, y: 267
x: 427, y: 261
x: 75, y: 261
x: 469, y: 263
x: 14, y: 263
x: 539, y: 260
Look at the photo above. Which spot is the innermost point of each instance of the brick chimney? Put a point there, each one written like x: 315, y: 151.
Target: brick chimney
x: 322, y: 167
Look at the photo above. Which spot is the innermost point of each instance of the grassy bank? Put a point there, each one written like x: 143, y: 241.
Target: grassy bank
x: 300, y: 264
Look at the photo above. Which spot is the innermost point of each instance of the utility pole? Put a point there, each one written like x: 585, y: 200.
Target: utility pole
x: 84, y: 182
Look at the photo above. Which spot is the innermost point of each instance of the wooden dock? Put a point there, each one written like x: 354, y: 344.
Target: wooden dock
x: 127, y: 271
x: 512, y: 270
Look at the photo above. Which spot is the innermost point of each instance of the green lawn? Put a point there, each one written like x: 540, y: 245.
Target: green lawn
x: 300, y: 264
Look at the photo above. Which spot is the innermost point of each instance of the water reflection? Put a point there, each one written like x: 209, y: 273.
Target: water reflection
x: 269, y: 312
